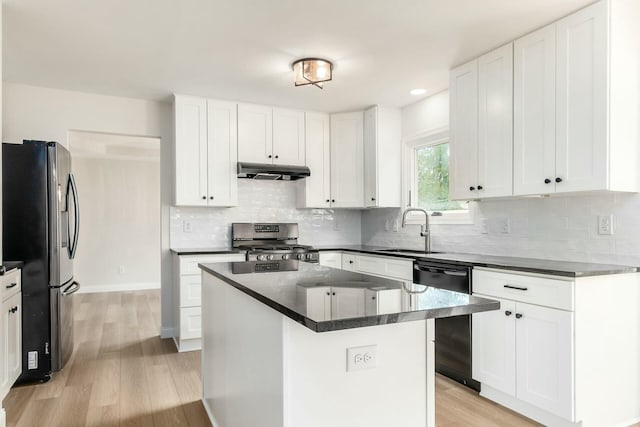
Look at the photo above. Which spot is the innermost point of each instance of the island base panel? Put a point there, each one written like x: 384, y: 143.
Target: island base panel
x: 262, y: 368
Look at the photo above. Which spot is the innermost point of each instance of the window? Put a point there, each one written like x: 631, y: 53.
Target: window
x: 428, y: 181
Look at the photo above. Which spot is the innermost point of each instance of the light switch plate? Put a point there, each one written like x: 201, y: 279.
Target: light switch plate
x: 359, y: 358
x: 186, y: 226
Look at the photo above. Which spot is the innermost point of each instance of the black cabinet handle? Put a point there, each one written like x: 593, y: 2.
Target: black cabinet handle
x: 204, y: 197
x: 13, y: 285
x: 507, y: 313
x: 472, y: 188
x: 547, y: 181
x: 518, y: 288
x: 350, y: 261
x: 13, y: 309
x: 518, y: 316
x: 334, y: 294
x: 328, y: 200
x: 333, y: 200
x: 479, y: 187
x: 373, y: 199
x: 558, y: 179
x: 211, y: 197
x: 269, y: 156
x: 277, y: 157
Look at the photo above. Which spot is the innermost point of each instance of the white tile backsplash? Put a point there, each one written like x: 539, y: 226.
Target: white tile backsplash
x: 559, y: 227
x: 264, y: 201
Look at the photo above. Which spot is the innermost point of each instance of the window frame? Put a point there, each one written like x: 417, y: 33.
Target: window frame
x: 439, y: 136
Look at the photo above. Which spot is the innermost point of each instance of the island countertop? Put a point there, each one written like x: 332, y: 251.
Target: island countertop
x: 282, y: 287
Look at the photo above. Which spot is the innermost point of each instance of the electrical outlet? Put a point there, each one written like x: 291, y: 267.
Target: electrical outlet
x: 359, y: 358
x: 186, y: 226
x: 504, y: 226
x: 395, y: 226
x: 605, y: 225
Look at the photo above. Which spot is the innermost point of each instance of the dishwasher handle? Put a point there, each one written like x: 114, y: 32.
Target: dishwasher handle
x: 433, y: 269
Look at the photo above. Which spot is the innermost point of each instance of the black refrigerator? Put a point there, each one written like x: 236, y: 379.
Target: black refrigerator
x: 40, y: 219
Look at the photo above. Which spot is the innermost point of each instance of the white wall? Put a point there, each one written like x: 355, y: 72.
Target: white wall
x: 32, y: 112
x: 559, y: 227
x: 268, y: 201
x: 119, y: 247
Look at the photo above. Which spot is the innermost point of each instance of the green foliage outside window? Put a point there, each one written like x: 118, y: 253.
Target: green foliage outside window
x: 432, y: 173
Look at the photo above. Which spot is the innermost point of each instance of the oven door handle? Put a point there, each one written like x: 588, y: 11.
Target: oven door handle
x: 459, y: 273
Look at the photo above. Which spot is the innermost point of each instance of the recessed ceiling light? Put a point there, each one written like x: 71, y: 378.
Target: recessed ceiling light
x: 417, y: 92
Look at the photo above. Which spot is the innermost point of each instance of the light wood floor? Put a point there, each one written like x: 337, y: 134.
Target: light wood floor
x: 122, y: 373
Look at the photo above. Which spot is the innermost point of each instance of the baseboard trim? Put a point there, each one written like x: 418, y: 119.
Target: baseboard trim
x: 188, y: 345
x: 208, y: 411
x: 118, y: 287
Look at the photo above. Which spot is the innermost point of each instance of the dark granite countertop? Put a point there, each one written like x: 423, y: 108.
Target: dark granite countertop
x: 7, y: 266
x: 204, y: 251
x: 530, y: 265
x: 287, y: 293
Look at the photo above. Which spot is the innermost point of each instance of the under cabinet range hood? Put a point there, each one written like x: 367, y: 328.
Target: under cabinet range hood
x: 272, y: 172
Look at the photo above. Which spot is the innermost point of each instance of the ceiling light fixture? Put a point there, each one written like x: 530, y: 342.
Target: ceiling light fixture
x: 312, y: 71
x: 417, y: 92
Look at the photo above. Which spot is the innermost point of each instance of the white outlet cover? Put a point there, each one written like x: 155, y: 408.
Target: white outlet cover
x: 605, y: 225
x: 186, y: 226
x: 360, y: 358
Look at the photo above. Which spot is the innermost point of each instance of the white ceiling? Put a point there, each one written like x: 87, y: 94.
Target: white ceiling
x: 242, y: 49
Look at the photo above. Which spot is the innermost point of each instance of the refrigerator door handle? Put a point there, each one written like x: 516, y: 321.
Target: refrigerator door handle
x: 76, y: 211
x: 71, y: 289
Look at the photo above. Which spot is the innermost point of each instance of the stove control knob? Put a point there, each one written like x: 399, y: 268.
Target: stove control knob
x: 270, y: 257
x: 261, y: 257
x: 308, y: 256
x: 300, y: 256
x: 285, y: 256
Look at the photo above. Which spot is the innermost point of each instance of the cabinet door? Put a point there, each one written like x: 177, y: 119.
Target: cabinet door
x: 493, y: 343
x: 544, y: 349
x: 371, y: 157
x: 190, y: 151
x: 347, y: 175
x: 222, y: 153
x: 288, y: 137
x: 347, y: 302
x: 12, y: 313
x: 316, y: 189
x: 190, y: 323
x: 463, y: 174
x: 318, y: 303
x: 255, y: 136
x: 495, y: 123
x: 534, y: 115
x: 581, y: 100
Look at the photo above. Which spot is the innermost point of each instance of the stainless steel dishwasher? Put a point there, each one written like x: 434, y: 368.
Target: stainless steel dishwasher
x: 453, y: 334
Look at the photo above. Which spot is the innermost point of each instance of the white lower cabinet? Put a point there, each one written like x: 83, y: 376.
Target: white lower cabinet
x: 11, y: 327
x: 326, y: 303
x: 394, y: 268
x: 331, y: 259
x: 188, y: 296
x: 525, y: 350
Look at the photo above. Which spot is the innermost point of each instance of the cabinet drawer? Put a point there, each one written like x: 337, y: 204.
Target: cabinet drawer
x: 190, y: 323
x: 388, y: 267
x: 550, y: 292
x: 11, y: 283
x: 349, y: 262
x: 189, y: 263
x: 331, y: 259
x: 190, y: 290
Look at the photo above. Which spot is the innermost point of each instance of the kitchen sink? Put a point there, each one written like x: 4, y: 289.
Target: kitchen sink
x: 406, y: 251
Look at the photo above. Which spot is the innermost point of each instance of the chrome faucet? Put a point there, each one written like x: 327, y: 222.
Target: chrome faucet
x: 424, y: 229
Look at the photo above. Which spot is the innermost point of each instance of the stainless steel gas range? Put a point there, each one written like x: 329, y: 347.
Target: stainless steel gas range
x: 271, y: 242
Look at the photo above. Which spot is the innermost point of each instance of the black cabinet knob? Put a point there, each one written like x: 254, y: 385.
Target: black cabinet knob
x: 479, y: 187
x: 269, y: 156
x: 558, y: 179
x: 472, y: 188
x: 333, y: 293
x: 350, y: 261
x: 328, y: 200
x: 204, y: 197
x: 547, y: 181
x: 373, y: 199
x: 518, y: 315
x: 277, y: 157
x: 507, y: 313
x: 333, y: 200
x: 211, y: 197
x: 328, y: 293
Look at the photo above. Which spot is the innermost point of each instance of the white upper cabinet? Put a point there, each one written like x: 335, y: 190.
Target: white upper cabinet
x: 463, y: 134
x: 205, y: 152
x: 534, y: 143
x: 581, y: 101
x: 255, y: 133
x: 347, y: 157
x: 315, y: 191
x: 495, y: 123
x: 288, y: 137
x: 481, y: 135
x: 382, y: 157
x: 190, y: 151
x: 222, y: 153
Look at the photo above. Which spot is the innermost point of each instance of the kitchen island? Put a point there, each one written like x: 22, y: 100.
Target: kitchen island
x: 295, y: 344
